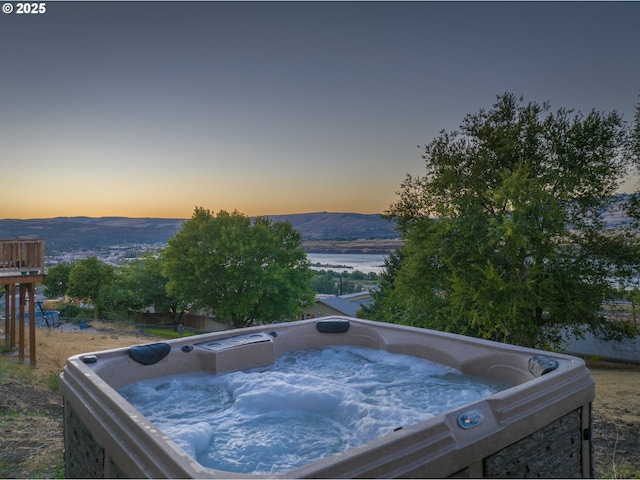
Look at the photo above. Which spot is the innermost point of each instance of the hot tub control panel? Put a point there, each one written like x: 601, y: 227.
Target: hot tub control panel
x: 238, y: 340
x: 470, y: 419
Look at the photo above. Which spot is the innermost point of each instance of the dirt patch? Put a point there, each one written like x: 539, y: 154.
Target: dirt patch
x: 31, y: 429
x: 31, y: 442
x: 616, y: 420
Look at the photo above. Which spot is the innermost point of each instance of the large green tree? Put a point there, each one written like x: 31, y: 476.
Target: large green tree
x: 238, y: 268
x: 55, y: 284
x: 506, y: 235
x: 89, y: 280
x: 145, y: 278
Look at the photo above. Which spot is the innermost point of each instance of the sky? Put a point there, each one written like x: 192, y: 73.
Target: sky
x: 149, y: 109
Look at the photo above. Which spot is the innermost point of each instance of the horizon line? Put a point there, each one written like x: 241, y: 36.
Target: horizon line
x: 186, y: 218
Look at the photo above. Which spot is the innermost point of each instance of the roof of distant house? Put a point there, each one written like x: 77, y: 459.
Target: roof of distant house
x: 343, y: 305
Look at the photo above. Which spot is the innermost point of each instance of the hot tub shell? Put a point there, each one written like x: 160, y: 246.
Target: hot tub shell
x: 539, y: 427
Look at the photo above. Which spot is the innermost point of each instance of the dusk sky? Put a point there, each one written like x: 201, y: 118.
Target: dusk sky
x: 149, y: 109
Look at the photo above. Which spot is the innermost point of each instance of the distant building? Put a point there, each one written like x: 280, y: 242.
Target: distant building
x: 346, y: 305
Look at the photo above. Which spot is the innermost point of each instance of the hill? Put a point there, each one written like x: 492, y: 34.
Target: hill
x: 340, y: 226
x: 321, y: 231
x: 66, y: 233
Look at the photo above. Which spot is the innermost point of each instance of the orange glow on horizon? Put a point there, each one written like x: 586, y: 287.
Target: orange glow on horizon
x: 182, y: 211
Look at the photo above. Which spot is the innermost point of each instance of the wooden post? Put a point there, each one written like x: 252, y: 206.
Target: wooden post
x: 13, y: 316
x: 7, y: 319
x: 32, y: 324
x: 21, y: 331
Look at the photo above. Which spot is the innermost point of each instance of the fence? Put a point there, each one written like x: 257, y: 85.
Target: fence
x: 21, y: 256
x: 195, y: 323
x: 188, y: 320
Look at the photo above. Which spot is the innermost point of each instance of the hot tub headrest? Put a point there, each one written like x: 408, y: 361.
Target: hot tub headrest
x: 333, y: 326
x: 150, y: 353
x: 539, y: 365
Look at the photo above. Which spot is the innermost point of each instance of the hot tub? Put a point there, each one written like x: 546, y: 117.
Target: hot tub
x: 538, y: 427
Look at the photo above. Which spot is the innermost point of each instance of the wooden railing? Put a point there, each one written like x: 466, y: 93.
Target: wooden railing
x: 22, y: 256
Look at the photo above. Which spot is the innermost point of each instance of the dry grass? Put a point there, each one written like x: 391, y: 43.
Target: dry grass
x: 616, y: 419
x: 42, y: 452
x: 31, y: 440
x: 54, y: 347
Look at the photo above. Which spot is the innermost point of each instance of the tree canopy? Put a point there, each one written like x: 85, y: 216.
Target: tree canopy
x: 238, y: 268
x: 88, y: 279
x: 506, y: 234
x: 144, y: 276
x: 57, y: 280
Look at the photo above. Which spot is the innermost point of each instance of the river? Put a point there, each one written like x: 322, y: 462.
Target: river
x: 350, y: 262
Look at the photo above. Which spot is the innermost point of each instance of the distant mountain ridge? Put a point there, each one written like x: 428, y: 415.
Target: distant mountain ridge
x: 321, y: 231
x: 340, y: 226
x: 63, y: 233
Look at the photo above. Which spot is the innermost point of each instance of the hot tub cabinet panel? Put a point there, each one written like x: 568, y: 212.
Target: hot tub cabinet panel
x: 539, y: 427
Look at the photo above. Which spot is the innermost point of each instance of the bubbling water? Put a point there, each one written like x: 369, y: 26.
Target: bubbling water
x: 308, y: 405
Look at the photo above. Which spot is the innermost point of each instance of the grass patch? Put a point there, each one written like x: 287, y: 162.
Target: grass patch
x: 56, y: 470
x: 31, y: 421
x: 620, y: 471
x: 53, y: 381
x: 168, y: 333
x: 12, y: 370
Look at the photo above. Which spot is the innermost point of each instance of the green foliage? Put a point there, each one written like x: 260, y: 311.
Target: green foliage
x: 55, y: 285
x: 71, y: 310
x: 234, y: 267
x: 11, y: 371
x: 240, y: 269
x: 144, y: 277
x: 168, y: 334
x: 634, y: 297
x: 53, y: 381
x: 385, y: 305
x: 105, y: 287
x: 139, y: 284
x: 620, y: 471
x: 504, y: 235
x: 635, y: 136
x: 335, y: 283
x: 146, y: 283
x: 117, y: 298
x: 88, y: 277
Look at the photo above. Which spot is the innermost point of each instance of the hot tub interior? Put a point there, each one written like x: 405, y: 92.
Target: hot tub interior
x: 517, y: 411
x: 307, y: 405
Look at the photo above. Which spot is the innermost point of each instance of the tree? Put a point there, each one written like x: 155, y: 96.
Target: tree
x: 505, y: 234
x: 57, y: 280
x: 145, y: 278
x: 385, y: 303
x: 239, y: 269
x: 340, y: 283
x: 86, y: 280
x: 324, y: 282
x: 116, y: 298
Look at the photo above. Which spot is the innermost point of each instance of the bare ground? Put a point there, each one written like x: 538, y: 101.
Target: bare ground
x: 616, y: 420
x: 31, y: 430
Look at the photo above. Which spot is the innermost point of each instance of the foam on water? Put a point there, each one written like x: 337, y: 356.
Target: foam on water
x: 308, y: 405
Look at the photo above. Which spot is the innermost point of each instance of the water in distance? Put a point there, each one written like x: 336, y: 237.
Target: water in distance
x: 350, y: 262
